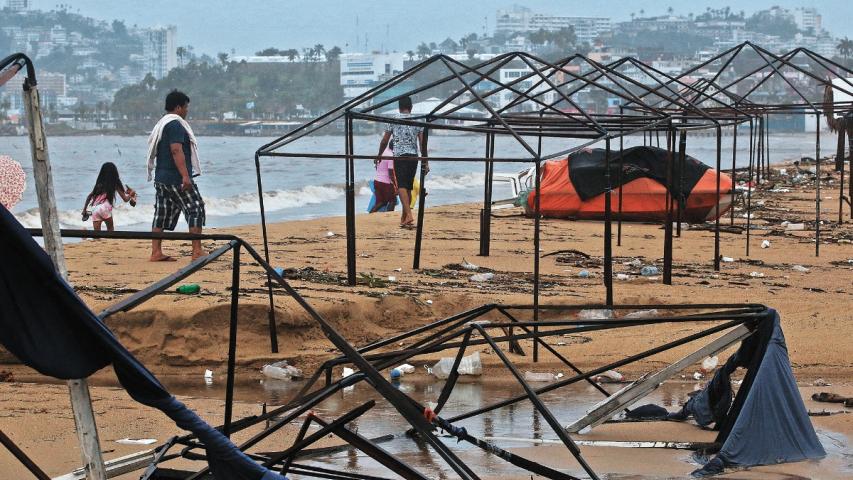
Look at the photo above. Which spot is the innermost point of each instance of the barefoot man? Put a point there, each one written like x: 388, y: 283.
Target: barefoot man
x: 406, y: 139
x: 173, y: 145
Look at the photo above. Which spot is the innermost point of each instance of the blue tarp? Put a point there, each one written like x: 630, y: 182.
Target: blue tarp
x: 769, y: 422
x: 48, y: 327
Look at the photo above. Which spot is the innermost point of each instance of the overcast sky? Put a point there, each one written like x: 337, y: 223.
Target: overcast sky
x: 246, y: 26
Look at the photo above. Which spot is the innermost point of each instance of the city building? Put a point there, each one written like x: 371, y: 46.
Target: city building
x: 160, y: 50
x: 361, y: 71
x: 523, y: 20
x: 808, y: 20
x: 18, y: 5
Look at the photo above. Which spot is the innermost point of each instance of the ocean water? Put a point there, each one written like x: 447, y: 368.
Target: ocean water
x: 299, y: 188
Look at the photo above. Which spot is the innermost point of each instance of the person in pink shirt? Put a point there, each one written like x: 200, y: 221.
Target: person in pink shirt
x: 385, y: 184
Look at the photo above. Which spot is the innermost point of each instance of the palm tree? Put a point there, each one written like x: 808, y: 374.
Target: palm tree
x: 319, y: 51
x: 181, y: 52
x: 333, y: 54
x: 223, y: 57
x: 291, y: 54
x: 845, y: 47
x: 670, y: 10
x: 411, y: 55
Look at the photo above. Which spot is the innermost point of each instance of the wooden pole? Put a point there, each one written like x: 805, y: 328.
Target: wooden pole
x: 81, y: 404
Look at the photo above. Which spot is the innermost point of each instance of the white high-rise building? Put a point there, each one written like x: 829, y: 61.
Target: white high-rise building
x: 807, y: 19
x: 522, y: 20
x: 160, y: 50
x: 18, y: 5
x: 362, y: 71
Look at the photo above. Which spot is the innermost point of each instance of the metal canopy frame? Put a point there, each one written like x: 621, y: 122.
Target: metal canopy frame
x: 546, y: 86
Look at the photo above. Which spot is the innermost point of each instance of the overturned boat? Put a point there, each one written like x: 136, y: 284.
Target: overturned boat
x: 574, y: 187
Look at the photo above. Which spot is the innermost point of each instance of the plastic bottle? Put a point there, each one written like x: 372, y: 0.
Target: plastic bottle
x: 189, y: 289
x: 649, y: 270
x: 538, y: 377
x: 282, y: 371
x: 406, y: 368
x: 396, y: 373
x: 469, y: 365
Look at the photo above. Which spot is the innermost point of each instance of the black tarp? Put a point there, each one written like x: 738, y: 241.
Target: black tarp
x: 768, y: 422
x: 48, y: 327
x: 587, y: 170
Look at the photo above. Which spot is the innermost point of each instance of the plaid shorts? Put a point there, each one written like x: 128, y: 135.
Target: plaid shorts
x: 170, y: 201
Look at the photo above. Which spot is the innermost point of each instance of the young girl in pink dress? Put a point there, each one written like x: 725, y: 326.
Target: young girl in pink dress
x: 103, y: 195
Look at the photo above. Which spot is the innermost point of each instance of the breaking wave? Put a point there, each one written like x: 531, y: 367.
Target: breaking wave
x: 247, y: 203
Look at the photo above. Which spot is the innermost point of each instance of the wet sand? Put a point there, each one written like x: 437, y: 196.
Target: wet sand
x: 183, y: 335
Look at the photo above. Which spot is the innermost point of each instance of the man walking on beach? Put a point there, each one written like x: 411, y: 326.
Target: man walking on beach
x: 406, y: 139
x: 173, y: 145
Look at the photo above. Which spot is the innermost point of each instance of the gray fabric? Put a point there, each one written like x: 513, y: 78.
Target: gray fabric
x: 774, y: 425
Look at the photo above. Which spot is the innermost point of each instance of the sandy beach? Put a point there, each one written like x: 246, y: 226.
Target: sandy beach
x: 183, y: 335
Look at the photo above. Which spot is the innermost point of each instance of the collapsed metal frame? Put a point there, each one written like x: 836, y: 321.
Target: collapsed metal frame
x: 437, y: 336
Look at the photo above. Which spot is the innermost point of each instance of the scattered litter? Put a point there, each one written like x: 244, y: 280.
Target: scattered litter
x: 584, y: 274
x: 396, y: 373
x: 637, y: 263
x: 756, y: 275
x: 643, y: 314
x: 208, y: 377
x: 609, y: 376
x: 468, y: 265
x: 538, y: 377
x: 821, y: 383
x: 398, y: 269
x: 783, y: 171
x: 346, y: 373
x: 406, y: 368
x: 392, y: 278
x: 698, y: 376
x: 330, y: 234
x: 428, y: 302
x: 469, y: 365
x: 622, y: 276
x: 727, y: 259
x: 137, y: 441
x: 279, y: 271
x: 561, y: 344
x: 800, y: 268
x: 189, y: 289
x: 795, y: 226
x: 281, y: 371
x: 710, y: 363
x: 594, y: 314
x: 481, y: 277
x: 649, y: 270
x: 765, y: 244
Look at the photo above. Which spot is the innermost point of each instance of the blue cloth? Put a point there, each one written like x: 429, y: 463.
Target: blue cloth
x: 772, y: 424
x: 48, y: 327
x: 165, y: 171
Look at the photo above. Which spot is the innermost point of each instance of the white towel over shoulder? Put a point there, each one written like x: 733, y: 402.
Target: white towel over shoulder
x: 157, y: 133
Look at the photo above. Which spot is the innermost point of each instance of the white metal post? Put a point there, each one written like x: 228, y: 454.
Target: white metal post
x: 81, y: 403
